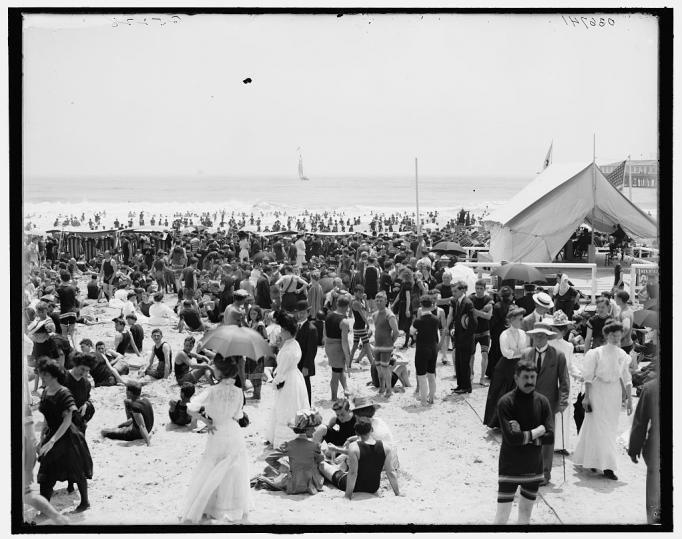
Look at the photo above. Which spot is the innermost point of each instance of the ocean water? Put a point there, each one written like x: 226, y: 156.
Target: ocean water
x: 445, y: 194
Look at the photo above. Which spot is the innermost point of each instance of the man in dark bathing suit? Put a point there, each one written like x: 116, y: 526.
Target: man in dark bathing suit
x: 103, y: 372
x: 140, y: 416
x: 162, y: 351
x: 366, y: 459
x: 340, y: 427
x: 107, y: 275
x: 124, y: 339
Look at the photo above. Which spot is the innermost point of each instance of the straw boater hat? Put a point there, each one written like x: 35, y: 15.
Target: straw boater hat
x: 362, y: 401
x: 306, y: 419
x: 241, y: 293
x: 542, y: 327
x: 543, y: 299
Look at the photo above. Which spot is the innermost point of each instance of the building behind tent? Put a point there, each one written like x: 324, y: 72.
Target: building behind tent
x: 644, y: 172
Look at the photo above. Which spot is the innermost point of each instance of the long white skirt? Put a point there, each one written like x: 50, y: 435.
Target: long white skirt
x: 220, y: 483
x: 290, y: 399
x: 596, y: 447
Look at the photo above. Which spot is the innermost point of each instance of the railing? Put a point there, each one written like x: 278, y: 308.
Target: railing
x: 639, y: 250
x: 470, y: 250
x: 576, y: 265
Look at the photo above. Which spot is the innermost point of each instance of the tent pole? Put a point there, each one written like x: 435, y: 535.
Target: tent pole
x: 416, y: 191
x: 594, y: 189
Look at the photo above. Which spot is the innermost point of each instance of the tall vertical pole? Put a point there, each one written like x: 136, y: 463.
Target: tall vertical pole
x: 630, y: 177
x: 416, y: 192
x: 594, y: 185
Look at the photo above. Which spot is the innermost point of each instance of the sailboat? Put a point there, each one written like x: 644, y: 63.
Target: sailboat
x: 300, y: 167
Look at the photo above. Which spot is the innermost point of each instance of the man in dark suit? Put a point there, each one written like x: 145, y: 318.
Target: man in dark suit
x: 263, y: 299
x: 307, y: 339
x: 462, y: 325
x: 645, y: 438
x: 526, y: 301
x: 553, y: 381
x: 542, y: 306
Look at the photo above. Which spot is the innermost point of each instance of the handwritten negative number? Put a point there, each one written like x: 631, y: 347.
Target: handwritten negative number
x: 175, y: 19
x: 588, y: 21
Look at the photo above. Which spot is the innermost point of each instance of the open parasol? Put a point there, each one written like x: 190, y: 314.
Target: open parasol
x: 449, y: 247
x: 235, y: 341
x: 519, y: 272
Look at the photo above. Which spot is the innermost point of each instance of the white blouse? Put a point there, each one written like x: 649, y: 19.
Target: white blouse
x: 512, y: 342
x: 222, y: 402
x: 608, y: 363
x: 287, y: 360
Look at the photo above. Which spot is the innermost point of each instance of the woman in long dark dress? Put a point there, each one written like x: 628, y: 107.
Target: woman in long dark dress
x: 498, y: 323
x: 402, y: 306
x: 512, y: 343
x: 565, y: 296
x: 76, y: 381
x: 63, y: 452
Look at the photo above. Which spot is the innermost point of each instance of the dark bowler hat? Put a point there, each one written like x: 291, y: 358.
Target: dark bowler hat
x: 300, y: 306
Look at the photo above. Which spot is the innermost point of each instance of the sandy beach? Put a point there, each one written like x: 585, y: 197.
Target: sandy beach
x: 448, y: 460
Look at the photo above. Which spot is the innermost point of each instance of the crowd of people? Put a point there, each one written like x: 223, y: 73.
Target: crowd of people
x: 261, y: 221
x: 362, y: 298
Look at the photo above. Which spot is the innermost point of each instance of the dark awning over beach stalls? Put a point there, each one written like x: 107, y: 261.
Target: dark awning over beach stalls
x: 77, y: 241
x: 535, y: 224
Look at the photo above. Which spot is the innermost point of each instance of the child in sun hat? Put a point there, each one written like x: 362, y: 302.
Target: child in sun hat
x: 301, y: 475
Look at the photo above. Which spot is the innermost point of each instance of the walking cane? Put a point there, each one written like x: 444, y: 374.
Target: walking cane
x: 563, y: 441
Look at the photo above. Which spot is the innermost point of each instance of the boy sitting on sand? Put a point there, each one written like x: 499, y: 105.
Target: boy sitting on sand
x: 140, y: 416
x: 187, y: 370
x: 177, y: 410
x: 189, y: 316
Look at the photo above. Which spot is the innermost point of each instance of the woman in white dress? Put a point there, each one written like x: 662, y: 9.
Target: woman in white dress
x: 290, y: 391
x: 220, y: 483
x: 605, y: 369
x: 563, y: 441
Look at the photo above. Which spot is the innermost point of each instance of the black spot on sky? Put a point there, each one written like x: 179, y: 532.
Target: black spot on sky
x: 247, y: 80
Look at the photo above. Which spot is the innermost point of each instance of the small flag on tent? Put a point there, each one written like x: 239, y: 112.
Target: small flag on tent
x: 548, y: 158
x: 617, y: 177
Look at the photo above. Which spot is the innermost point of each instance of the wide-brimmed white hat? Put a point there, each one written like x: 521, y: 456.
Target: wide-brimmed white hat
x: 541, y: 327
x: 543, y: 299
x: 362, y: 401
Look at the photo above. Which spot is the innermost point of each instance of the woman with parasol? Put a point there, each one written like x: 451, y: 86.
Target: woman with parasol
x: 220, y: 484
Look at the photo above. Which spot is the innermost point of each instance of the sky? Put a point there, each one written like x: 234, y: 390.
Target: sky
x: 361, y: 95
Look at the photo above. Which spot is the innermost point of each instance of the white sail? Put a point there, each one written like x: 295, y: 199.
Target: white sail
x: 300, y: 167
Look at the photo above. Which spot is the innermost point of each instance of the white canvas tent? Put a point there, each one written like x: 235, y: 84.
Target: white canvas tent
x: 535, y: 224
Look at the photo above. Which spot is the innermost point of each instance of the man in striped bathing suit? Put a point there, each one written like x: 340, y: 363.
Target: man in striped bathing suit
x: 527, y: 423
